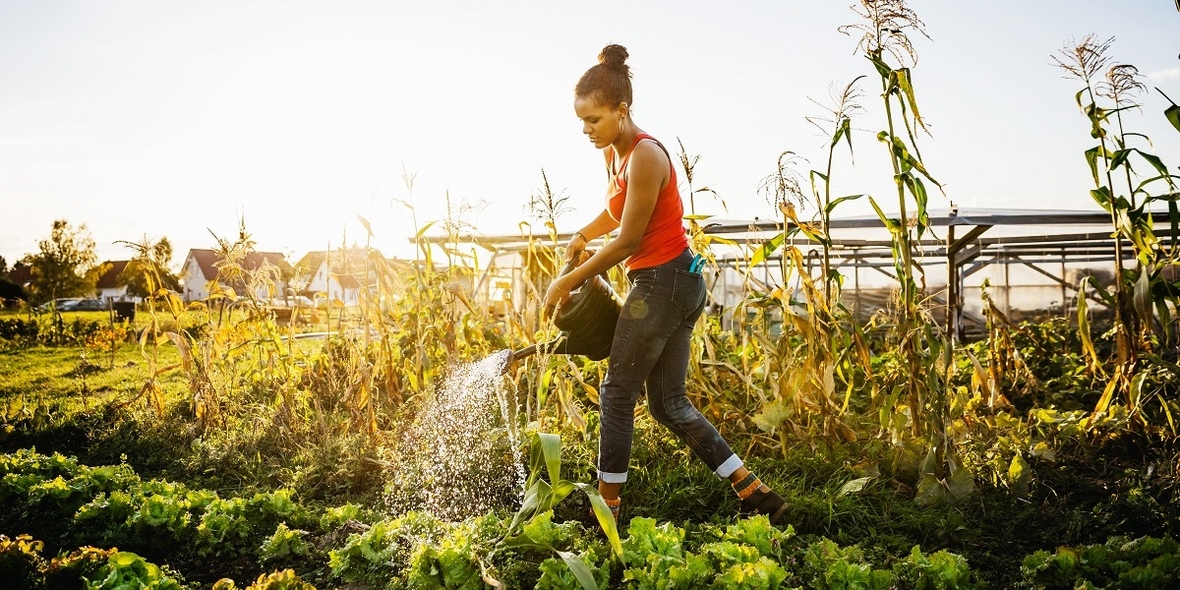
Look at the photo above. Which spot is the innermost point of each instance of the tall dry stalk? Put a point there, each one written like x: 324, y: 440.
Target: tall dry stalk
x: 702, y: 242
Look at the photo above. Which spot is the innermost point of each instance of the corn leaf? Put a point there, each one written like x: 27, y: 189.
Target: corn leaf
x: 767, y: 249
x: 817, y: 174
x: 1136, y: 391
x: 919, y: 191
x: 422, y: 232
x: 907, y: 89
x: 1173, y: 115
x: 1102, y: 197
x: 882, y: 68
x: 844, y: 130
x: 831, y: 206
x: 551, y: 451
x: 1092, y: 156
x: 1107, y: 394
x: 902, y: 153
x: 1174, y: 219
x: 365, y: 224
x: 1142, y: 296
x: 579, y: 569
x: 536, y: 499
x: 1084, y: 328
x: 891, y: 223
x: 606, y: 520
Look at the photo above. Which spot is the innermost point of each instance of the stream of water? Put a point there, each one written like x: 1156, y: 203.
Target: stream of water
x: 462, y: 457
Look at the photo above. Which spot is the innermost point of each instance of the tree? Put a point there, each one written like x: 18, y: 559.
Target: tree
x: 148, y: 271
x: 66, y: 265
x: 3, y: 266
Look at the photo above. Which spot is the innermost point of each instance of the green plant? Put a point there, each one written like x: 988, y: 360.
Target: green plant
x: 940, y: 570
x: 1146, y: 562
x: 128, y: 570
x: 924, y: 352
x: 453, y: 560
x: 831, y: 567
x: 382, y: 551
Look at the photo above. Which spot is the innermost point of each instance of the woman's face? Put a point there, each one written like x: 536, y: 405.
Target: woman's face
x: 599, y: 122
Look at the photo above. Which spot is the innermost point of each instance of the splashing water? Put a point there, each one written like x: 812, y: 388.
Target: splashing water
x: 462, y: 457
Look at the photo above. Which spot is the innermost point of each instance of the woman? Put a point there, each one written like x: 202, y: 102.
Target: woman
x: 651, y: 342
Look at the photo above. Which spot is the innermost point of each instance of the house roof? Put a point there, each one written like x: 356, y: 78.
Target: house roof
x: 348, y: 281
x: 310, y: 262
x: 209, y: 261
x: 110, y: 278
x: 21, y: 274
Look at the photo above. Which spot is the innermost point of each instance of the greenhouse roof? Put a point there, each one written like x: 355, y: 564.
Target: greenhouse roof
x: 972, y: 231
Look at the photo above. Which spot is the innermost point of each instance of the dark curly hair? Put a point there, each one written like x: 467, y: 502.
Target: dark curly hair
x: 608, y: 82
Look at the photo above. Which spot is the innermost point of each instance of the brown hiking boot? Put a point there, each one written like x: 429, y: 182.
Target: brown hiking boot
x: 757, y: 498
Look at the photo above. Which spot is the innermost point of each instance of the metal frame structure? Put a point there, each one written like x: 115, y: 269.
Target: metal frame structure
x: 966, y: 240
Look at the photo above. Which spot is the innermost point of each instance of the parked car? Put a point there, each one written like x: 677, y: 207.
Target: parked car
x: 60, y: 304
x: 73, y: 304
x: 293, y: 301
x: 89, y: 305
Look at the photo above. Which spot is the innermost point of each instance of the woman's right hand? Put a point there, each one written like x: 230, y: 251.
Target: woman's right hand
x: 575, y: 247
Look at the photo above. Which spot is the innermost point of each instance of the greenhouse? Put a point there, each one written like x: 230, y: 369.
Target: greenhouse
x: 1032, y: 261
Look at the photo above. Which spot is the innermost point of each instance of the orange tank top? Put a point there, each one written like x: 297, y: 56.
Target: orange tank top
x: 664, y: 238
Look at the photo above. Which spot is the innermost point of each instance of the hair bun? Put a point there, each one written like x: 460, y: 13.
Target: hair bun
x: 614, y: 56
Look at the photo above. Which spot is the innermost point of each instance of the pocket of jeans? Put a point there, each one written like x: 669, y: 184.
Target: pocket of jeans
x: 688, y: 290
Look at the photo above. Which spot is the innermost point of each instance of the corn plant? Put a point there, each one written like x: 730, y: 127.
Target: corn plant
x: 424, y: 315
x: 541, y: 496
x: 836, y: 124
x: 821, y: 342
x: 555, y: 383
x: 701, y: 241
x: 1144, y: 301
x: 924, y: 354
x: 157, y: 294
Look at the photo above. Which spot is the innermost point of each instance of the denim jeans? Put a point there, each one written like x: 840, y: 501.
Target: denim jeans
x: 651, y: 346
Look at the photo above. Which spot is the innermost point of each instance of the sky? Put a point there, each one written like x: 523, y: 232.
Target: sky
x: 182, y: 120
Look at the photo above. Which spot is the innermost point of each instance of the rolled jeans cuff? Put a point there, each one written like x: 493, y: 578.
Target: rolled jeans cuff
x: 608, y: 477
x: 728, y: 467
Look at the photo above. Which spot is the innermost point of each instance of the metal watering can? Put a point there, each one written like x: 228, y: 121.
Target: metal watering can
x: 586, y: 320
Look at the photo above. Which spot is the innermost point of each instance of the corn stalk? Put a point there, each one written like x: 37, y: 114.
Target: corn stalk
x: 1144, y: 300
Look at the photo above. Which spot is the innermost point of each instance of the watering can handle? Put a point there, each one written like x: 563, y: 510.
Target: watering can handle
x: 569, y: 266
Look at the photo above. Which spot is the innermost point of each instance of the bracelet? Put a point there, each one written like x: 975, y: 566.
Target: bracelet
x: 579, y: 234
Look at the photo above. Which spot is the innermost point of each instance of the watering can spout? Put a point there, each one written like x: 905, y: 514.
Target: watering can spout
x: 555, y: 346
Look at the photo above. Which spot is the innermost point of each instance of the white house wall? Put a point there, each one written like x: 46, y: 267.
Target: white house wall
x: 319, y: 281
x: 116, y: 294
x: 195, y: 286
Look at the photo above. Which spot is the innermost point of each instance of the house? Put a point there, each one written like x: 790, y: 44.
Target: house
x: 14, y: 284
x: 108, y: 287
x: 263, y: 274
x: 21, y: 274
x: 338, y: 275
